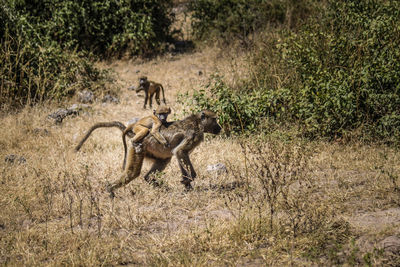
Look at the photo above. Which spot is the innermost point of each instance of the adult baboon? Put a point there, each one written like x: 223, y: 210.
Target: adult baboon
x: 183, y: 136
x: 150, y: 88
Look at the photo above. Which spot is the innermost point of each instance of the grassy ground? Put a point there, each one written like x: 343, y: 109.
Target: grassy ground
x: 280, y: 203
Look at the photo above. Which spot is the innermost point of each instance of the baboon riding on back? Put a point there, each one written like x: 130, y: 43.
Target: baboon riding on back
x: 182, y: 136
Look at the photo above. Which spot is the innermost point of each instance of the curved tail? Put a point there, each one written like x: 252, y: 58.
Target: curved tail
x: 116, y: 124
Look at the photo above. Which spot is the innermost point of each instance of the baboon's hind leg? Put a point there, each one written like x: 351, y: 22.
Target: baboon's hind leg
x: 157, y: 97
x: 187, y: 170
x: 134, y: 166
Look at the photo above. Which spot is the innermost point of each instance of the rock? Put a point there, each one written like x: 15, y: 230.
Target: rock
x: 200, y: 73
x: 133, y: 120
x: 218, y: 168
x: 60, y: 114
x: 12, y: 158
x: 42, y: 132
x: 85, y: 96
x: 132, y: 88
x: 110, y: 99
x: 77, y: 108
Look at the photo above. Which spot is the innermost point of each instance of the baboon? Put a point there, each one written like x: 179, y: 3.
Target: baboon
x: 183, y: 137
x: 150, y: 124
x: 150, y: 88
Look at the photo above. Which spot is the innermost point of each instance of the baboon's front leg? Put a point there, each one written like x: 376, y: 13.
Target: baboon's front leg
x: 188, y: 172
x: 133, y: 168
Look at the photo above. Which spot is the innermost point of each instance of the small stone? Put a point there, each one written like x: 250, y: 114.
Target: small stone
x: 219, y: 168
x: 110, y: 99
x: 42, y: 132
x: 59, y: 115
x: 12, y: 158
x: 77, y: 107
x: 85, y: 96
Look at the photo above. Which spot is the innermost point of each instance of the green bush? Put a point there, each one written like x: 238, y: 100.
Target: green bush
x: 109, y: 27
x: 240, y: 111
x: 339, y: 73
x: 236, y: 19
x: 34, y: 69
x: 348, y: 69
x: 46, y: 47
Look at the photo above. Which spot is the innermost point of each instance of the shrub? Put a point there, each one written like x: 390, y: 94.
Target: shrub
x: 349, y: 70
x: 46, y: 46
x: 339, y: 73
x: 34, y: 68
x: 103, y: 27
x: 239, y: 111
x: 236, y: 19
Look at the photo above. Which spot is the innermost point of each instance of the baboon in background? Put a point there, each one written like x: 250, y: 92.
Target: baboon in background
x: 150, y: 124
x: 150, y: 88
x: 183, y: 136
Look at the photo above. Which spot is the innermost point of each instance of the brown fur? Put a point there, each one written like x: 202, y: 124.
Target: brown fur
x: 150, y: 88
x: 150, y: 124
x: 183, y: 136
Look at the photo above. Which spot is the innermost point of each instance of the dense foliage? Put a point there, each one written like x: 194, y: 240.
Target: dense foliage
x: 45, y: 44
x: 236, y: 19
x: 102, y: 27
x: 349, y: 69
x: 339, y: 73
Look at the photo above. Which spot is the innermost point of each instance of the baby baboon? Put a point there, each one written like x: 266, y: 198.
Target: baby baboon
x: 150, y: 124
x: 150, y: 88
x: 183, y: 136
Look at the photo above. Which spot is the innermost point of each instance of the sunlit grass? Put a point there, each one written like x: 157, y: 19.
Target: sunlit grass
x: 332, y: 203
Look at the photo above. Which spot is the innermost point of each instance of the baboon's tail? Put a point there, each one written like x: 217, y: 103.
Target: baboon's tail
x: 116, y: 124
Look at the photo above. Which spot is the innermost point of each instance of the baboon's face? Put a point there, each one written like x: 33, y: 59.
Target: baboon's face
x: 142, y: 84
x: 163, y: 117
x: 209, y: 122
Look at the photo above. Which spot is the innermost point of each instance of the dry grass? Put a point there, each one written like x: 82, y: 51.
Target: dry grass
x: 279, y: 204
